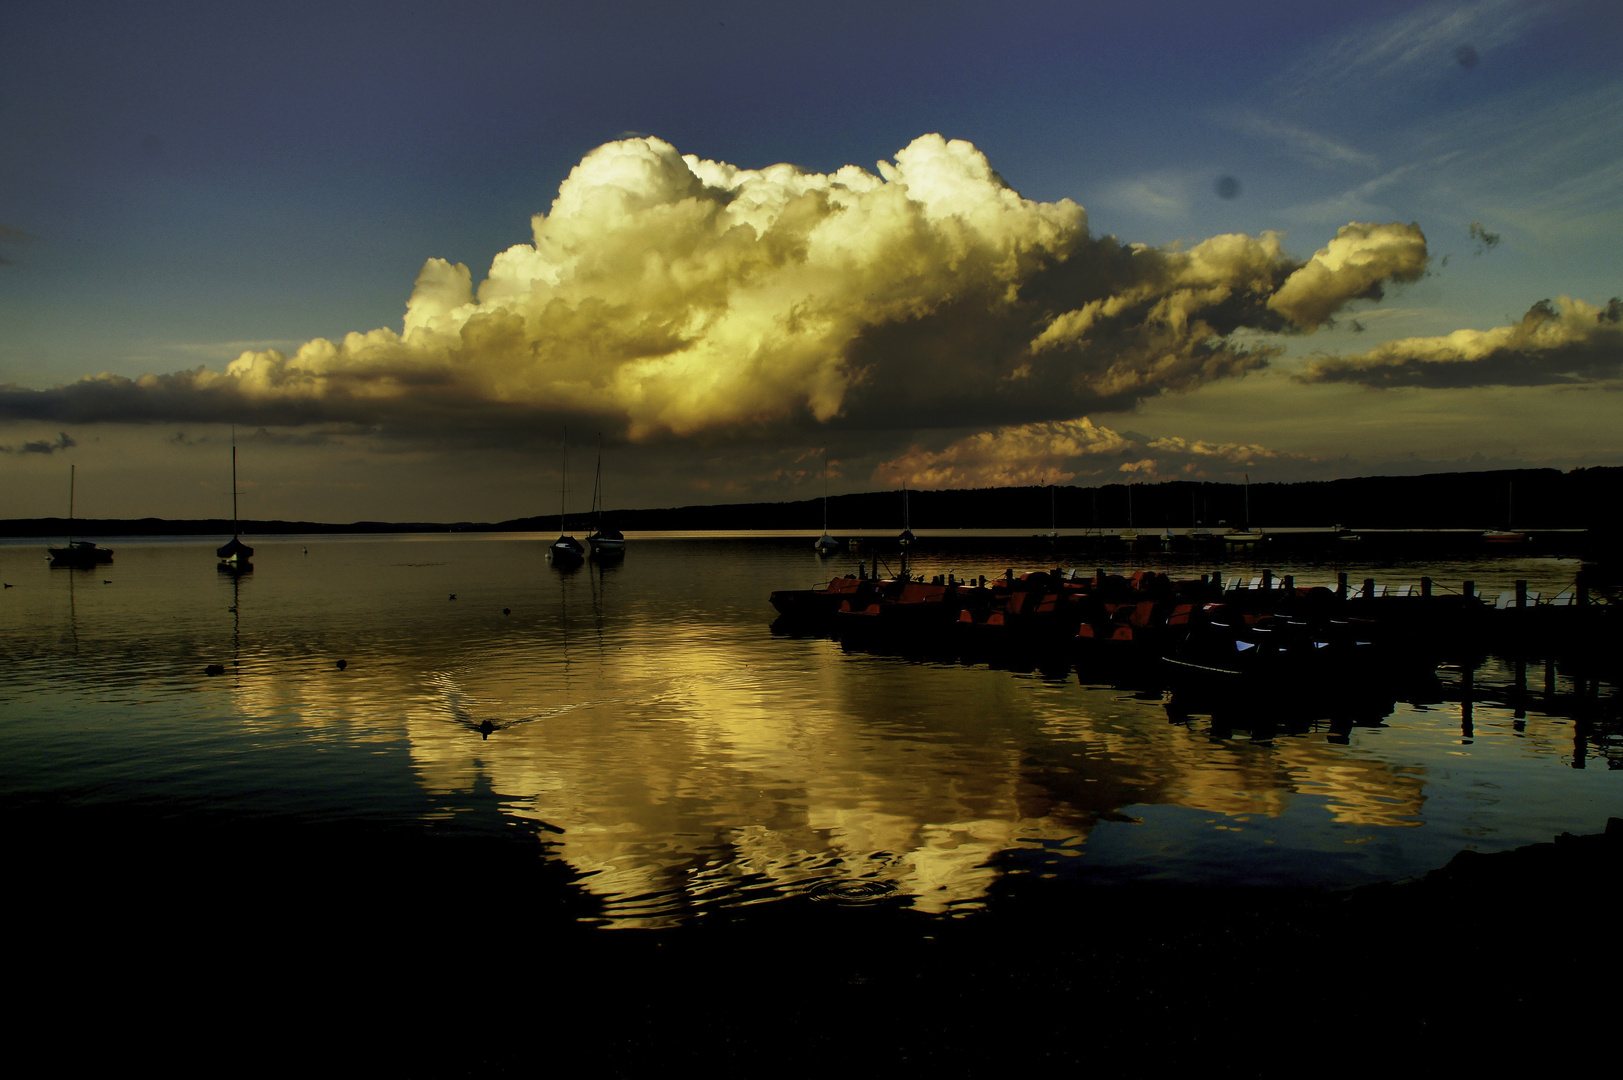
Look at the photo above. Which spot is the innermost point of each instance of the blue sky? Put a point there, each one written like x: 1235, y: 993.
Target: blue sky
x: 181, y: 184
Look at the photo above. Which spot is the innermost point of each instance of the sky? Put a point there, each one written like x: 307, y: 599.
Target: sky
x: 402, y: 252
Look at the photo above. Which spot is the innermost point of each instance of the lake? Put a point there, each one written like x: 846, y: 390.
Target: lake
x: 678, y: 757
x: 327, y: 810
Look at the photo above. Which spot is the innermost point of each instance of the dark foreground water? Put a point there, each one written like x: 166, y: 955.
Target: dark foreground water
x: 660, y: 759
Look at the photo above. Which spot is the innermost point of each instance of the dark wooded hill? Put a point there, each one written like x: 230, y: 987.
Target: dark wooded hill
x: 1522, y: 498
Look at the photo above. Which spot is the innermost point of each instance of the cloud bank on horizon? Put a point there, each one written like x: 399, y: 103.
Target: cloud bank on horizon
x: 1568, y: 342
x: 1058, y: 452
x: 667, y: 296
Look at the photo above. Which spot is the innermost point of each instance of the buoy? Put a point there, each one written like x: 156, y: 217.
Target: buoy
x: 453, y: 596
x: 505, y: 611
x: 342, y: 664
x: 214, y: 669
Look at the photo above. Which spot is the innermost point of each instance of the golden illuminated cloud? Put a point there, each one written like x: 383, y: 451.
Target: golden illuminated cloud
x: 1567, y: 342
x: 666, y: 295
x: 1053, y: 452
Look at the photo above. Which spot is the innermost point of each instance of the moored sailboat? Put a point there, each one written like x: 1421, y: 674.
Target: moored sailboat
x: 566, y: 550
x: 77, y: 554
x: 826, y: 544
x: 1244, y: 538
x: 234, y: 554
x: 605, y: 542
x: 1507, y: 535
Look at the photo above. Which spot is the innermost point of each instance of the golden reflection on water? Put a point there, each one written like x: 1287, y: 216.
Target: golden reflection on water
x: 679, y: 754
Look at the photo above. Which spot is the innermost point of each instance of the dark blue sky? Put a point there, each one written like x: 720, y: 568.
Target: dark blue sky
x: 179, y: 182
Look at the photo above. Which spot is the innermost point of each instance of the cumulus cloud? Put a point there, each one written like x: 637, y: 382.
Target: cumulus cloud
x: 1356, y: 265
x: 1007, y: 457
x: 1060, y: 451
x: 664, y: 295
x: 1568, y: 342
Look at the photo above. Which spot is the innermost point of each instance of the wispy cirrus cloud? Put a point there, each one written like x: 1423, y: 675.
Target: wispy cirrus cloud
x: 1386, y: 57
x: 1313, y: 147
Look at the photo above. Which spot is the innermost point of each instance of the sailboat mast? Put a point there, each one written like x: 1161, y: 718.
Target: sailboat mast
x: 563, y: 485
x: 825, y: 491
x: 72, y: 481
x: 597, y: 490
x: 1247, y: 523
x: 235, y: 531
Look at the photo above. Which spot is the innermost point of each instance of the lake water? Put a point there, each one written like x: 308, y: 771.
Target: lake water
x: 655, y: 740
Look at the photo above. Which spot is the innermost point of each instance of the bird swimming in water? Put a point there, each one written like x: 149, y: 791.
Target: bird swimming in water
x: 485, y: 728
x: 342, y: 664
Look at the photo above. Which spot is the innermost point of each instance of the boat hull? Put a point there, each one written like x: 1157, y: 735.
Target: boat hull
x: 79, y: 555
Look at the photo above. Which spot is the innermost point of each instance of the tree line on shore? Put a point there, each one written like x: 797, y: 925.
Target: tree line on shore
x: 1514, y: 498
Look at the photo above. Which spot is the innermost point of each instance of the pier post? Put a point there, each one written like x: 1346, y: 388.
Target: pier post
x: 1217, y: 579
x: 1369, y: 588
x: 1288, y: 583
x: 1521, y: 594
x: 1341, y: 585
x: 1468, y: 590
x: 1267, y: 580
x: 1580, y: 586
x: 1425, y: 586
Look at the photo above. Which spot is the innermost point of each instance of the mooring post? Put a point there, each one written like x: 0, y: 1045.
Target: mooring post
x: 1425, y: 586
x: 1369, y: 588
x: 1468, y: 590
x: 1580, y: 587
x: 1341, y: 586
x: 1267, y: 580
x: 1521, y: 594
x: 1217, y: 579
x: 1288, y: 583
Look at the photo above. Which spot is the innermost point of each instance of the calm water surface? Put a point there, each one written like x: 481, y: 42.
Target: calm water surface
x: 678, y: 756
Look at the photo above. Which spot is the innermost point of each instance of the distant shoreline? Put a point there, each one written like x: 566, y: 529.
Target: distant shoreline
x: 1532, y: 500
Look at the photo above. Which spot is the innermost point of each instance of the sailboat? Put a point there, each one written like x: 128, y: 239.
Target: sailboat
x: 234, y: 554
x: 1507, y: 535
x: 604, y: 542
x: 77, y: 554
x: 826, y: 544
x: 566, y: 550
x: 1247, y: 537
x: 1129, y: 535
x: 907, y: 537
